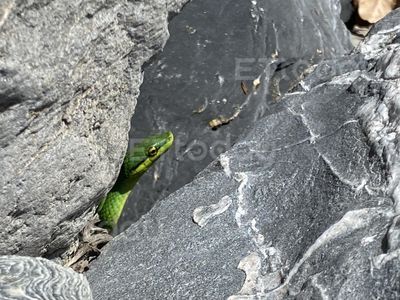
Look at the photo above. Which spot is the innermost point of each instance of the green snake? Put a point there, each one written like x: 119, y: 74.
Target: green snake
x: 136, y: 163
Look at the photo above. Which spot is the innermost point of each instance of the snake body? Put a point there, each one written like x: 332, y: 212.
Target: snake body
x: 136, y: 163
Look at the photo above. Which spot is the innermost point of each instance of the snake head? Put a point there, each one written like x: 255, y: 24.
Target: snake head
x: 145, y: 153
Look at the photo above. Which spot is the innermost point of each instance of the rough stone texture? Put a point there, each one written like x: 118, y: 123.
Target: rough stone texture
x: 23, y: 278
x: 300, y: 208
x: 202, y: 66
x: 69, y: 78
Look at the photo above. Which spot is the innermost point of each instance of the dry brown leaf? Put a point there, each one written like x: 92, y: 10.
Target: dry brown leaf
x: 244, y: 88
x: 374, y: 10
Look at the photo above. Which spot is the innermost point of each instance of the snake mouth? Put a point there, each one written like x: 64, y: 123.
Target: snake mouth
x: 144, y: 154
x: 170, y: 138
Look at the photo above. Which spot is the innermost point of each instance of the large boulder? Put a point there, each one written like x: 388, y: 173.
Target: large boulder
x: 301, y: 207
x: 197, y: 78
x: 70, y: 73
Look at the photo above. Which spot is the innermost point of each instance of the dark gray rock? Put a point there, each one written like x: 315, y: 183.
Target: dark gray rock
x: 301, y: 207
x: 23, y: 278
x: 69, y: 78
x: 347, y: 10
x: 214, y: 45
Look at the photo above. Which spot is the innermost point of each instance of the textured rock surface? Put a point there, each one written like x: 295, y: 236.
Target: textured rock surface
x: 302, y: 207
x: 202, y: 66
x: 69, y: 78
x: 23, y: 278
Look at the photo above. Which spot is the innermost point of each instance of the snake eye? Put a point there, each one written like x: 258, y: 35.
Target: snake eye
x: 152, y: 151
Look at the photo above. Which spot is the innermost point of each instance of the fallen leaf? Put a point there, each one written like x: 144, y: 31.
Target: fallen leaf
x: 244, y: 88
x: 374, y: 10
x: 221, y: 120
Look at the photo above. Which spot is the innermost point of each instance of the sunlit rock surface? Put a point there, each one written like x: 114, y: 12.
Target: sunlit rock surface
x: 301, y: 207
x: 214, y: 46
x: 23, y: 278
x: 70, y: 73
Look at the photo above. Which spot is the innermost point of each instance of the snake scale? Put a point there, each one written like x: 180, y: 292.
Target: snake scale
x: 136, y: 163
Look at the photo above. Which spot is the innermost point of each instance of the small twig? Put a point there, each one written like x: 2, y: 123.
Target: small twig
x: 92, y: 239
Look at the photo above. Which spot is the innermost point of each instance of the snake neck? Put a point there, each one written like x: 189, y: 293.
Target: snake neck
x: 125, y: 184
x: 111, y: 207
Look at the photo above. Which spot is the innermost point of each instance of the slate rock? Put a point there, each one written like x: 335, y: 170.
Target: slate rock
x: 23, y: 277
x: 197, y: 78
x: 70, y: 73
x: 302, y: 207
x: 347, y: 10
